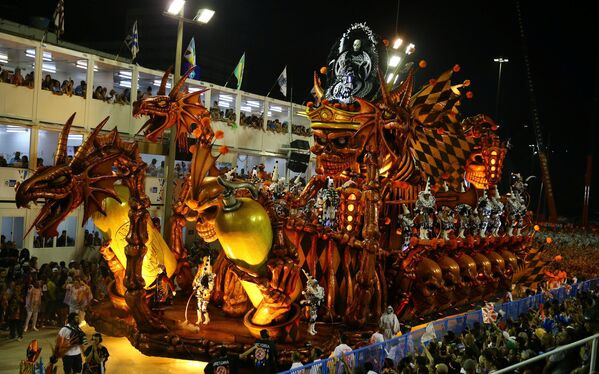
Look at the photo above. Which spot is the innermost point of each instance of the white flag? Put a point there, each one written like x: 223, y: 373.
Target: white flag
x: 59, y: 18
x: 282, y: 80
x: 429, y: 333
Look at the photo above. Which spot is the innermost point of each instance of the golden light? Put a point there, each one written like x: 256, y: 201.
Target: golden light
x: 350, y: 207
x: 348, y: 227
x: 350, y: 218
x: 537, y: 228
x: 352, y: 197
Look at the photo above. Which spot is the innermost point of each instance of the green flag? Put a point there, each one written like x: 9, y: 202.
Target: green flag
x: 239, y: 70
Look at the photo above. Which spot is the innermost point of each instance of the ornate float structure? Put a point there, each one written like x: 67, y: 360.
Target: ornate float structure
x: 404, y: 211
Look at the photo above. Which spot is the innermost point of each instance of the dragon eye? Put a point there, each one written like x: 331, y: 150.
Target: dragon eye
x: 387, y: 115
x: 162, y: 103
x: 59, y: 180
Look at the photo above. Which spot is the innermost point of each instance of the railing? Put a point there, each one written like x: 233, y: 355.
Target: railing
x: 566, y: 347
x: 400, y: 347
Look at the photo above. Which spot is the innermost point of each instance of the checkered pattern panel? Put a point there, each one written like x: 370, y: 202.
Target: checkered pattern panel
x: 441, y: 157
x: 532, y: 269
x: 431, y: 94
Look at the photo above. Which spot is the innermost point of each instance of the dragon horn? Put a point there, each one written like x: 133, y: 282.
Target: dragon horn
x: 61, y: 151
x: 317, y: 88
x: 81, y: 152
x: 407, y: 86
x: 162, y: 89
x: 179, y: 84
x: 384, y: 92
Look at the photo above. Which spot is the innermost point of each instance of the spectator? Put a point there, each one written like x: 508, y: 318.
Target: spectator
x: 81, y: 89
x: 67, y: 87
x: 33, y: 305
x: 17, y: 78
x: 342, y: 348
x: 15, y: 310
x: 224, y: 363
x: 62, y: 240
x: 295, y: 360
x: 148, y: 92
x: 16, y: 158
x: 152, y: 169
x: 265, y: 354
x: 25, y: 162
x: 70, y: 339
x: 96, y: 356
x: 160, y: 172
x: 56, y: 87
x: 47, y: 83
x: 111, y: 99
x: 29, y: 80
x: 40, y: 162
x: 98, y: 93
x: 3, y: 162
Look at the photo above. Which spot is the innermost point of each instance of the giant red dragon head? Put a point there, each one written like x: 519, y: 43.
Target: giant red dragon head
x: 88, y: 178
x: 175, y: 109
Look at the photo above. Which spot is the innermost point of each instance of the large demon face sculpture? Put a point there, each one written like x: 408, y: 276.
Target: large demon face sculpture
x: 166, y: 111
x: 429, y: 277
x: 335, y: 150
x: 87, y: 179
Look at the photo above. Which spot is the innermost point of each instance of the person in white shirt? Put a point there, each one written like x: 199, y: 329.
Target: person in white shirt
x: 343, y: 352
x: 69, y: 341
x: 296, y: 362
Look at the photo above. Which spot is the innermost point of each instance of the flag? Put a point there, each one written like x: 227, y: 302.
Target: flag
x: 59, y: 18
x: 239, y: 70
x: 489, y: 313
x: 190, y: 58
x: 132, y: 41
x: 429, y: 333
x: 282, y: 81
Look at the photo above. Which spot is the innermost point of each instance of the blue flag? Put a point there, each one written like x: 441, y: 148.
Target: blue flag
x: 132, y: 41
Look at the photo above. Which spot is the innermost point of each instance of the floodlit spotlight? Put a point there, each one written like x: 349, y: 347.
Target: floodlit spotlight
x: 397, y: 43
x: 410, y: 49
x: 176, y: 7
x: 501, y: 59
x: 204, y: 15
x: 394, y: 61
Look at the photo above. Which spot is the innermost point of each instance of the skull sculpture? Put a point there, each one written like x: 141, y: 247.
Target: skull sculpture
x: 468, y: 278
x: 452, y: 280
x: 207, y: 208
x: 475, y: 170
x: 429, y: 280
x: 499, y: 270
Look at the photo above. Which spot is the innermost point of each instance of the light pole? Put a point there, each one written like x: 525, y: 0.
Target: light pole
x: 176, y: 10
x: 499, y: 60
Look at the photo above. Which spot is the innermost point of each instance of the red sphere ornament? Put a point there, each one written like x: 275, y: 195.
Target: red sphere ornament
x: 323, y: 70
x: 223, y: 149
x: 386, y: 42
x: 422, y: 64
x: 456, y: 68
x: 310, y: 104
x: 467, y: 83
x: 469, y: 95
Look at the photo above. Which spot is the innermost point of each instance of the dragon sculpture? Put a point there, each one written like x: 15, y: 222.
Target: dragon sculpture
x: 376, y: 147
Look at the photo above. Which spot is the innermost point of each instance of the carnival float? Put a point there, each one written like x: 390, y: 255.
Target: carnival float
x: 404, y: 211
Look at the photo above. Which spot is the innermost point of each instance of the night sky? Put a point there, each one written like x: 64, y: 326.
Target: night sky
x: 561, y: 39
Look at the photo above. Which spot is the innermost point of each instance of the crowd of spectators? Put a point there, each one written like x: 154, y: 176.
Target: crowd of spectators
x: 301, y: 130
x: 578, y: 249
x: 154, y: 170
x: 252, y: 121
x: 228, y: 116
x: 34, y: 295
x: 16, y: 77
x: 16, y: 161
x: 484, y: 348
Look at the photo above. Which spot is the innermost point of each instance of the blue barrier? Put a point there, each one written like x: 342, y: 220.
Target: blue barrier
x: 401, y: 346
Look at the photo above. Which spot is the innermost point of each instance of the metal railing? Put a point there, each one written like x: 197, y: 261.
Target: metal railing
x: 562, y: 348
x: 401, y: 346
